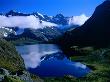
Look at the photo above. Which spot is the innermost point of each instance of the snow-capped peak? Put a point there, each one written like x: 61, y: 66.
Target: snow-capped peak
x: 40, y: 14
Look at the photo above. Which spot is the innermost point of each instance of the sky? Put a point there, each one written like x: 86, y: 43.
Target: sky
x: 51, y: 7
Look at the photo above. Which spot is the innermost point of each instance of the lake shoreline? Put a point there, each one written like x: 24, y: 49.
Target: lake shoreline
x: 51, y: 60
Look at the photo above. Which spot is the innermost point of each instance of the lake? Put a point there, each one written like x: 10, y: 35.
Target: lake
x: 47, y: 60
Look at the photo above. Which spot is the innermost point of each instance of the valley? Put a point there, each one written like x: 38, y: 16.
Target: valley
x: 41, y: 48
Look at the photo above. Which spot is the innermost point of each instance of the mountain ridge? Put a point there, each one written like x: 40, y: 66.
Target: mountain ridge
x: 94, y: 32
x: 48, y: 28
x: 42, y: 17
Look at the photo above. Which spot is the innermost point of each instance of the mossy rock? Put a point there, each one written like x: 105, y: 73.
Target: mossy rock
x: 9, y: 57
x: 11, y: 79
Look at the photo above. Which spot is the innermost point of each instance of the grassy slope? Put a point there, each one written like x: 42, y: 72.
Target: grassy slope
x: 98, y: 60
x: 9, y: 58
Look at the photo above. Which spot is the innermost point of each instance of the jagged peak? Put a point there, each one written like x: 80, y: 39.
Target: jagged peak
x: 59, y: 15
x: 12, y: 11
x: 15, y: 13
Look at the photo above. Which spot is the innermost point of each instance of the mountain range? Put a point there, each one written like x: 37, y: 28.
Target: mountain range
x: 58, y: 19
x: 45, y: 27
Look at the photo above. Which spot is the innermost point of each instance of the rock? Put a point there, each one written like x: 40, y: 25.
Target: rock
x: 4, y: 71
x: 26, y: 77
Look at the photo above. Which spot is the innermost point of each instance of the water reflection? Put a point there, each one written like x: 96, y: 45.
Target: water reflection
x: 47, y: 60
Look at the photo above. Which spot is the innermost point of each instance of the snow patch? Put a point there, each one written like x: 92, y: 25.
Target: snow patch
x: 77, y: 64
x: 40, y: 15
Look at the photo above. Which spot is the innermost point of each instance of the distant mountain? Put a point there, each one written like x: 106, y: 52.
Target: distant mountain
x: 95, y: 31
x: 50, y: 27
x: 41, y: 35
x: 14, y: 13
x: 58, y: 19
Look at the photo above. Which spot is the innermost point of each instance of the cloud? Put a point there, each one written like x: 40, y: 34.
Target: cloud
x: 33, y: 59
x: 78, y: 20
x: 78, y: 64
x: 33, y: 22
x: 49, y: 24
x: 23, y: 22
x: 33, y: 53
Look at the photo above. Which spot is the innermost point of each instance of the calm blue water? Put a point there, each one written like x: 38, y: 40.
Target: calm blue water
x: 47, y: 60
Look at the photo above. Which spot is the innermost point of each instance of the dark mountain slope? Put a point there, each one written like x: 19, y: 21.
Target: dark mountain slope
x: 95, y: 31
